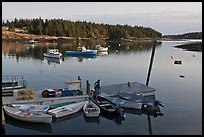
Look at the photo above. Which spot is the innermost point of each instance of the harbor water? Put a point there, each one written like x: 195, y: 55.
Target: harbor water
x: 177, y: 86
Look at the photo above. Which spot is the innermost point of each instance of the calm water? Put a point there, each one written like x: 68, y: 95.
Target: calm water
x: 182, y: 97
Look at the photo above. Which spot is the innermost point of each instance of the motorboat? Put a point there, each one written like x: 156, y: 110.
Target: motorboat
x: 53, y: 53
x: 82, y: 51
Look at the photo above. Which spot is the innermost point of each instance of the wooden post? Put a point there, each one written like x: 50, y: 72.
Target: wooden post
x: 151, y: 62
x: 79, y: 78
x: 87, y: 87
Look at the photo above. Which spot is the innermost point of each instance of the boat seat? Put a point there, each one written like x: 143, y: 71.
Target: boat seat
x: 102, y: 105
x: 91, y: 108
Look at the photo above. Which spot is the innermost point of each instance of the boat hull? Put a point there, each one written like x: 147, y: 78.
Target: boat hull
x: 49, y: 55
x: 91, y: 52
x: 32, y: 107
x: 66, y: 110
x: 125, y: 103
x: 91, y: 109
x: 27, y: 116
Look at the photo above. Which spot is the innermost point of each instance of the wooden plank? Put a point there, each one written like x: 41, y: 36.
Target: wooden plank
x: 3, y: 118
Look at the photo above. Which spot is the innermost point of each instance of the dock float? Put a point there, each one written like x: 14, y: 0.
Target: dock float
x: 139, y: 88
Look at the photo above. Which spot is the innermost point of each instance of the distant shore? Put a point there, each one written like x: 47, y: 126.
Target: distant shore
x: 21, y: 36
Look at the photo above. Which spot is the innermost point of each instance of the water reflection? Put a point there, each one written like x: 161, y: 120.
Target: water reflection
x: 113, y: 117
x: 31, y: 126
x: 104, y: 53
x: 54, y: 61
x: 91, y: 119
x: 37, y: 50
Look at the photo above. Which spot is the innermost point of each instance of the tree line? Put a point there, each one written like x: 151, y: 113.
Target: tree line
x: 190, y: 35
x: 81, y: 29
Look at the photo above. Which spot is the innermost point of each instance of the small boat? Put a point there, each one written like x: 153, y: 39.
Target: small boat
x: 40, y: 127
x: 107, y: 106
x: 148, y: 103
x: 66, y: 110
x: 101, y: 49
x: 60, y: 104
x: 32, y: 107
x: 82, y: 51
x: 31, y: 41
x: 27, y: 116
x: 53, y: 53
x: 91, y: 109
x: 125, y: 103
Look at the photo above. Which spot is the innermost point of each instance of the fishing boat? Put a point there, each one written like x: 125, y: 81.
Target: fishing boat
x: 32, y: 107
x: 82, y: 51
x: 91, y: 109
x: 147, y: 103
x: 125, y: 103
x: 107, y: 106
x: 53, y: 53
x: 66, y: 110
x: 101, y: 49
x: 27, y: 116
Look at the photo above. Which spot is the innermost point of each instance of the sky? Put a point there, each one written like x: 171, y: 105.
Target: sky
x: 165, y: 17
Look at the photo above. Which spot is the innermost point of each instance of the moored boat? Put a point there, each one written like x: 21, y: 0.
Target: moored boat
x: 27, y: 116
x: 91, y: 109
x: 107, y: 106
x: 82, y: 51
x: 31, y: 41
x: 53, y: 53
x: 101, y: 49
x: 32, y: 107
x: 66, y: 110
x: 148, y: 103
x: 125, y: 103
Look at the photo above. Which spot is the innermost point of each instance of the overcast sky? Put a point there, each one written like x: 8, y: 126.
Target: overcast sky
x: 165, y: 17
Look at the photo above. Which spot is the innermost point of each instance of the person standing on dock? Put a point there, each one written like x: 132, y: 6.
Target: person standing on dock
x: 97, y: 89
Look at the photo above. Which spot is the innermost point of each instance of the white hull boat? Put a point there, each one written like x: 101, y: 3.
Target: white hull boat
x: 32, y: 107
x: 27, y: 116
x: 101, y: 49
x: 91, y: 109
x: 66, y: 110
x: 53, y: 53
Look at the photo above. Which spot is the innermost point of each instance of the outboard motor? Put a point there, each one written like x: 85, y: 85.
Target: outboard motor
x: 120, y: 110
x: 158, y: 103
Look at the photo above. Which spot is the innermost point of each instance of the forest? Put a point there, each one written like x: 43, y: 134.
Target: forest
x: 81, y: 29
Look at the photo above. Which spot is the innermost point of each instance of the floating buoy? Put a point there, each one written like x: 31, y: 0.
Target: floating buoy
x: 177, y: 62
x: 193, y: 55
x: 172, y: 57
x: 182, y: 76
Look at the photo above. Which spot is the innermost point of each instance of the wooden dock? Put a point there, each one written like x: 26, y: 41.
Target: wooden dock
x: 139, y: 88
x: 38, y: 98
x: 106, y: 90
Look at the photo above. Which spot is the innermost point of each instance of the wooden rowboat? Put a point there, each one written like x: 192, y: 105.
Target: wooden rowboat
x: 27, y: 116
x: 66, y: 110
x: 91, y: 109
x: 108, y: 107
x: 32, y: 107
